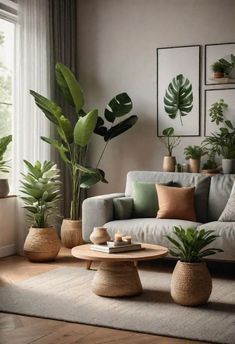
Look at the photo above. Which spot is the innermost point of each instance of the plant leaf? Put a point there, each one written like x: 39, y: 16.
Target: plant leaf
x: 69, y: 86
x: 118, y: 106
x: 85, y: 127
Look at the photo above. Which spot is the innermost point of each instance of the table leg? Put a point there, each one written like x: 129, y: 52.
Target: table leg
x: 88, y: 264
x: 117, y: 279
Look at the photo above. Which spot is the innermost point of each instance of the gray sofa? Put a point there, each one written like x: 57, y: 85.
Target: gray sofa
x: 211, y: 196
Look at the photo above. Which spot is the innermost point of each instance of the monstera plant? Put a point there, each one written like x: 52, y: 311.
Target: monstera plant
x: 72, y: 140
x: 178, y: 98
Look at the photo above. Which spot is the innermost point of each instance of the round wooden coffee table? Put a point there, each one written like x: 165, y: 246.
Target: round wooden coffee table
x: 117, y: 275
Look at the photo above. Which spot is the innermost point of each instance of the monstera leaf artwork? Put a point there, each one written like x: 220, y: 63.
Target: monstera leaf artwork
x: 178, y: 100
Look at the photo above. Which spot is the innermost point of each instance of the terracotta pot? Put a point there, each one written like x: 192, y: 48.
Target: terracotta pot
x: 71, y: 233
x: 191, y: 284
x: 99, y: 235
x: 41, y: 244
x: 218, y: 75
x: 4, y: 188
x: 169, y: 163
x: 194, y: 165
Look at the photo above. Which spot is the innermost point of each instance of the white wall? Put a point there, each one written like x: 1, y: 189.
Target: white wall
x: 117, y: 52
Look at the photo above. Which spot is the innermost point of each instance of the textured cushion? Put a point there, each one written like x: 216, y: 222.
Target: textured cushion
x: 123, y: 208
x: 176, y: 203
x: 228, y: 213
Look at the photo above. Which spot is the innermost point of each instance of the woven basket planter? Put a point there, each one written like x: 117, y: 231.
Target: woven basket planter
x: 71, y: 233
x: 41, y: 244
x: 191, y: 284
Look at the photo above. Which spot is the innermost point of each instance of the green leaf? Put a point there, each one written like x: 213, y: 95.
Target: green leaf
x: 67, y: 129
x: 118, y: 106
x: 229, y: 124
x: 168, y: 132
x: 69, y: 86
x: 60, y: 147
x: 178, y: 98
x: 120, y: 128
x: 85, y: 127
x: 51, y: 110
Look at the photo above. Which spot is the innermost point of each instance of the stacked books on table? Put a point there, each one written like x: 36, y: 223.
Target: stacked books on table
x: 112, y: 247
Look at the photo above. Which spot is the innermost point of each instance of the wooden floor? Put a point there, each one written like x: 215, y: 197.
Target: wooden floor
x: 16, y: 329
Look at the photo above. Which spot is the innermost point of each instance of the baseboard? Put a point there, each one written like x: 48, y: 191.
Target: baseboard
x: 7, y: 250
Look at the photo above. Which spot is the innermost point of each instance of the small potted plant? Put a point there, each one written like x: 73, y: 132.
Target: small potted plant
x: 41, y: 189
x: 191, y: 282
x: 218, y: 69
x: 4, y: 168
x: 210, y: 167
x: 194, y: 154
x: 170, y: 141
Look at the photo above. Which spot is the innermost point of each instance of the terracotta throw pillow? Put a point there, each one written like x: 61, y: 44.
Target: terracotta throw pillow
x: 176, y: 203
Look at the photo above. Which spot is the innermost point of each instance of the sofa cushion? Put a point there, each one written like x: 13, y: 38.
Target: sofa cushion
x: 176, y: 203
x: 123, y: 208
x: 228, y: 213
x: 221, y: 186
x: 225, y: 241
x: 201, y: 183
x: 149, y: 230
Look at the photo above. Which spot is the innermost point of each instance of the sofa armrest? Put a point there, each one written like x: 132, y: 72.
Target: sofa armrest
x: 96, y: 211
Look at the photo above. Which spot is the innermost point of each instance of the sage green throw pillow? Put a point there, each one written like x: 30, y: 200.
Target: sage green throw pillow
x: 145, y: 199
x: 123, y: 208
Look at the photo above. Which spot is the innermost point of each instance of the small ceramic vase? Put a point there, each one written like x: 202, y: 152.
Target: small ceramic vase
x: 99, y: 235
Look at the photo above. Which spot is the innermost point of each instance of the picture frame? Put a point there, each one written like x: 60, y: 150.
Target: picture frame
x: 173, y: 62
x: 215, y: 53
x: 212, y: 96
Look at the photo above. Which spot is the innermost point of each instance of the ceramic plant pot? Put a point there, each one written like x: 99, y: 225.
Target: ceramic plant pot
x: 169, y: 163
x: 228, y: 166
x: 99, y: 235
x: 4, y: 188
x: 71, y: 233
x: 194, y: 165
x: 191, y: 284
x: 41, y: 244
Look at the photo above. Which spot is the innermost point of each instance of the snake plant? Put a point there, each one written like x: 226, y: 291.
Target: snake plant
x: 41, y: 189
x: 178, y: 100
x: 190, y: 244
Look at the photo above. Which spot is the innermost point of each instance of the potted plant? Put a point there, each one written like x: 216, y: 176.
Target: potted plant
x: 223, y: 141
x: 194, y: 154
x: 72, y: 140
x: 191, y: 282
x: 218, y: 69
x: 4, y: 168
x: 170, y: 141
x: 210, y: 167
x: 41, y: 189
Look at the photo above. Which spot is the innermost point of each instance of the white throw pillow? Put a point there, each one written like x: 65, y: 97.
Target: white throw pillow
x: 228, y: 214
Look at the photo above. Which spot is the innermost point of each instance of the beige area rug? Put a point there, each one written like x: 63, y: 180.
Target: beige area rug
x: 64, y: 294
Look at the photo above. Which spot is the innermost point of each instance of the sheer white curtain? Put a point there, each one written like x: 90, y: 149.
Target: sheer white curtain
x: 32, y: 72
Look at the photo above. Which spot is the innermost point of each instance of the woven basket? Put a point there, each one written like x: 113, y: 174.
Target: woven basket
x: 41, y: 244
x: 191, y: 284
x: 71, y: 233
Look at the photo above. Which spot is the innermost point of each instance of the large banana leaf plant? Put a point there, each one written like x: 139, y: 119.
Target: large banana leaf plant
x: 178, y: 100
x: 73, y: 140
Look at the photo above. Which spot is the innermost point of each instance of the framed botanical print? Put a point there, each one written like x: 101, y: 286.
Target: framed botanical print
x: 220, y: 63
x: 227, y: 95
x: 178, y: 85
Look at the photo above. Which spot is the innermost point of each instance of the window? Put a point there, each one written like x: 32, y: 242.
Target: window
x: 7, y: 69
